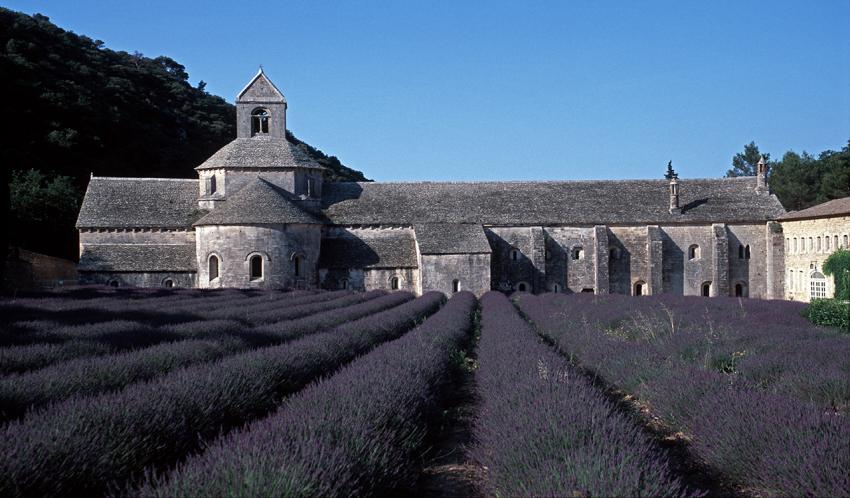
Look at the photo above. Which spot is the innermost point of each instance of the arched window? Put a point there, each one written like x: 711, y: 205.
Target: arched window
x: 845, y: 242
x: 298, y: 265
x: 455, y: 285
x: 256, y: 264
x: 747, y: 251
x: 556, y: 288
x: 795, y: 244
x: 311, y: 187
x: 260, y: 122
x: 790, y: 279
x: 828, y: 241
x: 693, y: 252
x: 836, y: 242
x: 522, y: 287
x: 817, y: 286
x: 395, y: 283
x: 639, y: 288
x: 706, y: 289
x: 343, y: 284
x: 213, y: 264
x: 811, y: 244
x: 741, y: 289
x: 787, y: 244
x: 168, y: 283
x: 514, y: 255
x: 818, y: 246
x: 213, y: 186
x: 578, y: 253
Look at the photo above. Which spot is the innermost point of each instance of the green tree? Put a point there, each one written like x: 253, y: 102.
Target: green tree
x: 49, y: 202
x: 838, y: 265
x: 836, y: 178
x: 796, y: 180
x: 746, y: 163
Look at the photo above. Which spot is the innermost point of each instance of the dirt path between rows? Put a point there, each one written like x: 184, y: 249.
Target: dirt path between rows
x: 449, y: 472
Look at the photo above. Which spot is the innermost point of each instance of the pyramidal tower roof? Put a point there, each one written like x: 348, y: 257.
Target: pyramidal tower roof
x: 260, y: 89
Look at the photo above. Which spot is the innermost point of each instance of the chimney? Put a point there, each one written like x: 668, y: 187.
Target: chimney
x: 761, y: 176
x: 673, y: 178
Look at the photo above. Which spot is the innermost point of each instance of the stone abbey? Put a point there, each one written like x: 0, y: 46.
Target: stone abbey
x: 260, y: 214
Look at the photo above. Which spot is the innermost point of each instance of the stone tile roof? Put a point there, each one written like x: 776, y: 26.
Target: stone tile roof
x: 835, y: 207
x: 258, y: 202
x: 385, y: 251
x: 451, y: 238
x: 609, y: 202
x: 139, y: 203
x: 260, y: 152
x: 138, y: 257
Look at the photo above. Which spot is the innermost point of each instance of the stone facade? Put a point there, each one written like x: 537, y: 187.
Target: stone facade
x: 261, y: 215
x: 808, y: 238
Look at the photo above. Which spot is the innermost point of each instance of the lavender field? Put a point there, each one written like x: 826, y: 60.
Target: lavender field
x: 131, y: 392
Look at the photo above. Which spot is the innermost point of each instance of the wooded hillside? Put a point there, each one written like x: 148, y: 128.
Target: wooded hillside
x: 74, y: 107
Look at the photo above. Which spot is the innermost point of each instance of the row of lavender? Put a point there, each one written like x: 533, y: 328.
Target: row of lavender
x: 545, y: 430
x: 761, y: 393
x: 357, y: 433
x: 203, y: 342
x: 91, y: 444
x: 36, y: 345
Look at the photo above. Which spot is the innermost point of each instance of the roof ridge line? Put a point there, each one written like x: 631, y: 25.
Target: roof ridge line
x: 144, y: 178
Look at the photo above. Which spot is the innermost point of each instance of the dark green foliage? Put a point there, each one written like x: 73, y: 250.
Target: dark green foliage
x: 838, y: 265
x: 338, y: 172
x: 41, y: 200
x: 74, y: 107
x: 800, y: 180
x: 829, y: 312
x: 746, y: 163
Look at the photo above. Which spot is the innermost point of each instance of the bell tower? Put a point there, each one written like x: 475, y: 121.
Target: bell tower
x: 261, y: 109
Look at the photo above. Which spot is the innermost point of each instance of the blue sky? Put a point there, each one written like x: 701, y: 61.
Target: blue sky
x: 513, y: 90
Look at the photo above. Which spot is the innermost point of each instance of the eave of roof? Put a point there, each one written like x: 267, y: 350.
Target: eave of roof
x: 139, y: 203
x: 603, y: 202
x: 258, y: 202
x: 835, y: 207
x: 260, y: 152
x: 138, y: 258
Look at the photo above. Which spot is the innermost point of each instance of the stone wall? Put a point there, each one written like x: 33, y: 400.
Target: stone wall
x: 628, y: 264
x: 570, y: 259
x: 31, y: 271
x: 803, y: 256
x: 139, y: 279
x: 276, y: 244
x: 507, y: 272
x: 682, y: 273
x: 137, y: 236
x: 472, y: 271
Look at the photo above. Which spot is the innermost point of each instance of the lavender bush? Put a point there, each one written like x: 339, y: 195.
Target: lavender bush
x: 85, y: 445
x: 18, y: 393
x: 357, y: 433
x: 545, y: 430
x: 762, y: 393
x: 23, y: 358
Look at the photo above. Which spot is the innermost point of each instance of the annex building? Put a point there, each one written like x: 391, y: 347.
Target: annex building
x: 261, y: 215
x: 811, y: 235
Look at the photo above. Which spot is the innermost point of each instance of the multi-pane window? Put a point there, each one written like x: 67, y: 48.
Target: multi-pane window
x: 817, y: 286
